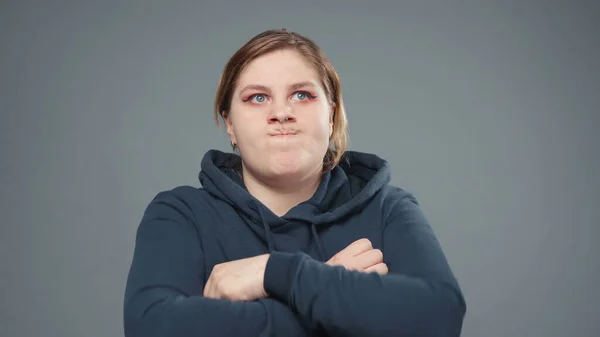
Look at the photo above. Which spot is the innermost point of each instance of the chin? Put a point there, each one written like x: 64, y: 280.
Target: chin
x: 286, y: 164
x: 291, y: 165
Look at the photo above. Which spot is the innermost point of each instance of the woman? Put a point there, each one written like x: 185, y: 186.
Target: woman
x: 295, y: 236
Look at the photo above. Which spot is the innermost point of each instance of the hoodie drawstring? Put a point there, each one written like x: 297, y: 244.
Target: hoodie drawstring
x: 268, y: 234
x: 313, y: 230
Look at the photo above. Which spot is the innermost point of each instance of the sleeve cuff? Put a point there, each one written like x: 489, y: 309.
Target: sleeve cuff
x: 280, y: 274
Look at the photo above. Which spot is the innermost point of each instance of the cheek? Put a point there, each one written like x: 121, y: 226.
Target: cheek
x: 244, y: 125
x: 320, y: 127
x: 244, y: 132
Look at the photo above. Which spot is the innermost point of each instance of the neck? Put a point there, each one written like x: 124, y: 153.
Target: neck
x: 281, y: 196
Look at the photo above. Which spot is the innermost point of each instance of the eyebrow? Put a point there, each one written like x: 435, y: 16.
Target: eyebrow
x: 292, y: 87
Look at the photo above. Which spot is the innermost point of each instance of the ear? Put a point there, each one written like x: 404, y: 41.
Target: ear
x: 230, y: 130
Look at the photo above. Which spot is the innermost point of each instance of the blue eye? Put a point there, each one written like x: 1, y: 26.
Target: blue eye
x: 258, y: 98
x: 303, y: 95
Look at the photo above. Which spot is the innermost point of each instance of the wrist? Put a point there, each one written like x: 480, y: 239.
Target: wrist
x: 280, y: 272
x: 262, y: 272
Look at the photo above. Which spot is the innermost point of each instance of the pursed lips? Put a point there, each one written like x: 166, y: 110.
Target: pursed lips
x: 283, y: 134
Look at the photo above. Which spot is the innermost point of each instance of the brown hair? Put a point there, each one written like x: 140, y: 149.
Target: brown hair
x: 272, y: 40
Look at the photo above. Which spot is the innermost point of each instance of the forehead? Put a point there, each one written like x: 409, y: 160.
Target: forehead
x: 281, y: 67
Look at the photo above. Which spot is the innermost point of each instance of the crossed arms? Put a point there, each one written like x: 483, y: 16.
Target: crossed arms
x: 290, y: 294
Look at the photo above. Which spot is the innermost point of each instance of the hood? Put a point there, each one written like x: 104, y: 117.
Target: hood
x: 345, y: 190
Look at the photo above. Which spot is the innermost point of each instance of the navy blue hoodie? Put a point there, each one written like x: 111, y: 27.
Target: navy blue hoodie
x: 186, y: 231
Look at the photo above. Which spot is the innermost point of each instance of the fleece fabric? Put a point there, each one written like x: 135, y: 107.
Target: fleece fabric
x: 186, y: 231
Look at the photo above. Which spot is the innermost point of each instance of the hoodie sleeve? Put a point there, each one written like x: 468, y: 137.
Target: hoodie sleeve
x: 163, y: 295
x: 418, y: 297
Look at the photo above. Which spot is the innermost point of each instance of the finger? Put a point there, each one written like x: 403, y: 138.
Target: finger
x: 355, y: 248
x: 367, y: 259
x: 380, y: 268
x: 208, y: 288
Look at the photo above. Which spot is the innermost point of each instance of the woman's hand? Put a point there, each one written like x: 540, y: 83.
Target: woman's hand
x: 239, y: 280
x: 360, y: 256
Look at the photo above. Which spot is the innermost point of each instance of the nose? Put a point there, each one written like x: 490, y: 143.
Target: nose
x: 281, y: 113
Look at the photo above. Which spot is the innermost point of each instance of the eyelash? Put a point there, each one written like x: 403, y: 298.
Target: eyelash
x: 308, y: 95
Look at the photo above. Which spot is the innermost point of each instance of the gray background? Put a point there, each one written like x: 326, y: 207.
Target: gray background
x: 487, y: 111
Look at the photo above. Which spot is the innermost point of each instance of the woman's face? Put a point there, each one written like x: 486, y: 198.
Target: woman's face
x: 280, y: 117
